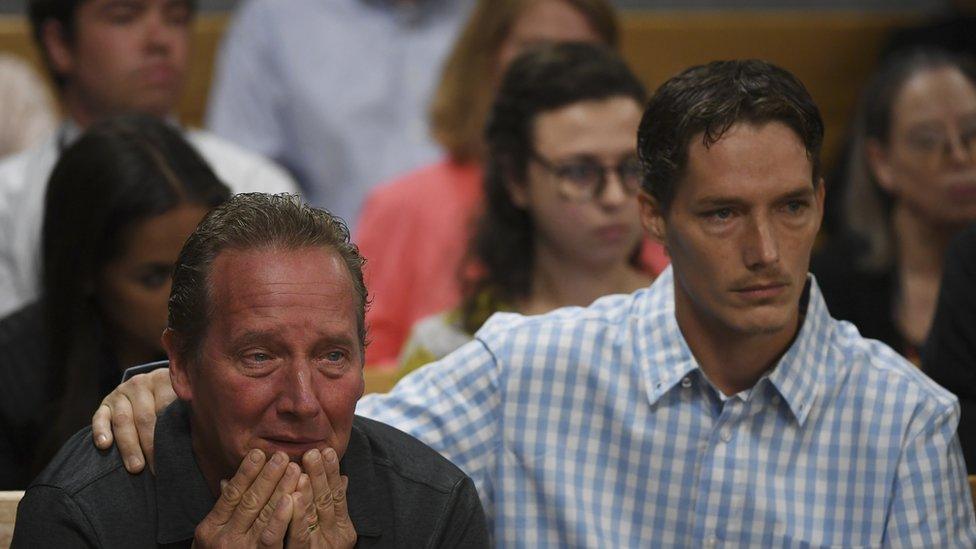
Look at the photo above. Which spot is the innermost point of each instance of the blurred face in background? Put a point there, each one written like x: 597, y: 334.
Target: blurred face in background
x: 581, y: 182
x: 124, y: 55
x: 133, y: 289
x: 541, y: 22
x: 929, y: 163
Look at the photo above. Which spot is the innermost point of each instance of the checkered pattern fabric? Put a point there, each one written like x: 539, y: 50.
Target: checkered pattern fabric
x: 596, y: 428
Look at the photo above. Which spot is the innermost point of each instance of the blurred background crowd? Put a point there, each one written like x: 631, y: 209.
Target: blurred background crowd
x: 468, y: 187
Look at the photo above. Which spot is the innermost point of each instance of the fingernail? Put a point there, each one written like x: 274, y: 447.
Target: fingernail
x: 254, y: 456
x: 102, y: 439
x: 279, y: 458
x: 330, y: 455
x: 223, y: 484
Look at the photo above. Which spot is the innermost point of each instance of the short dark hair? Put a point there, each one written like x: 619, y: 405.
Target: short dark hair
x: 63, y: 12
x: 709, y: 99
x: 541, y: 80
x: 246, y: 222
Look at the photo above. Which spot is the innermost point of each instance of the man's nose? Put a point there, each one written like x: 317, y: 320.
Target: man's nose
x: 761, y: 247
x: 160, y: 36
x: 297, y: 396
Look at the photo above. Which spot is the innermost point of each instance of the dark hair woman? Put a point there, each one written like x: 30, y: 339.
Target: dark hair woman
x: 561, y: 224
x: 910, y: 187
x: 120, y: 202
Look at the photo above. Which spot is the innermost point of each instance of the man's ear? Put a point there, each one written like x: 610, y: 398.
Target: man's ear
x: 179, y: 373
x: 57, y: 46
x: 653, y: 217
x: 879, y: 165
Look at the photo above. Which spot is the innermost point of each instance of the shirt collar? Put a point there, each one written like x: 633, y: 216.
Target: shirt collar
x: 666, y: 359
x: 182, y: 496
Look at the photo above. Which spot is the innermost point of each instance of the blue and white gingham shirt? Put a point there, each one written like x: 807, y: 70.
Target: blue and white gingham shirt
x: 595, y: 427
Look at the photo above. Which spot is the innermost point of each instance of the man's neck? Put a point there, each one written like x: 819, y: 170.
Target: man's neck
x: 733, y: 361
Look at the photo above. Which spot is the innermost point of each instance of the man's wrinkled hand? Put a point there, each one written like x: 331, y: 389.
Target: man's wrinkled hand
x: 128, y: 415
x: 255, y: 506
x: 320, y: 515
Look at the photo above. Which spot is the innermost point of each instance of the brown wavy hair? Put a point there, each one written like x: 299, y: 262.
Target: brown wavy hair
x: 464, y: 93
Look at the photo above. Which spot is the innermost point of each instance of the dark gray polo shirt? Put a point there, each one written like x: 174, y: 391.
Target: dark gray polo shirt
x: 401, y: 494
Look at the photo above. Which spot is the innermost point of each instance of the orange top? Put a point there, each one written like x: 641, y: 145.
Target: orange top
x: 414, y: 232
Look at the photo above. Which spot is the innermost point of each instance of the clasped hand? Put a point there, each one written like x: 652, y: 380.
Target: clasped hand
x: 275, y: 503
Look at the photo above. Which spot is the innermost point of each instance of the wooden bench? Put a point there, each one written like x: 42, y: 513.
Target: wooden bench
x: 8, y: 512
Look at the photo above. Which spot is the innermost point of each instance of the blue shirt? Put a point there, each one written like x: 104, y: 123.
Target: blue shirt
x: 335, y: 90
x: 595, y: 427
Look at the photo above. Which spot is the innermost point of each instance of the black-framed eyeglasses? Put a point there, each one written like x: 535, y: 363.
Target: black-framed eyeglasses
x: 585, y: 179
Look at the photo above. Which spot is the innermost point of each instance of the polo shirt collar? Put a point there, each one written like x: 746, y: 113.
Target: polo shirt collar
x: 183, y: 498
x: 666, y: 359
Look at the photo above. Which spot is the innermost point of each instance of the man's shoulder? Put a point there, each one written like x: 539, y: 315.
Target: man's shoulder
x: 407, y: 458
x: 86, y: 497
x: 241, y: 169
x: 606, y: 316
x: 15, y: 169
x: 875, y: 366
x: 79, y: 467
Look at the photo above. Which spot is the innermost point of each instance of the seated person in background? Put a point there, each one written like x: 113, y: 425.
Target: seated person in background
x: 120, y: 203
x: 335, y: 90
x: 26, y: 111
x: 106, y: 57
x: 561, y: 225
x: 950, y: 352
x: 720, y: 406
x: 911, y: 187
x: 414, y: 230
x: 265, y: 343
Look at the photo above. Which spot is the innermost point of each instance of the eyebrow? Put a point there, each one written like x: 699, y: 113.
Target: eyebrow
x: 718, y: 200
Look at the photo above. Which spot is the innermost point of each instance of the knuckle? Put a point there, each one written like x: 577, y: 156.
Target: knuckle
x: 121, y: 416
x: 145, y: 419
x: 324, y: 501
x: 232, y: 493
x: 249, y: 501
x: 266, y: 512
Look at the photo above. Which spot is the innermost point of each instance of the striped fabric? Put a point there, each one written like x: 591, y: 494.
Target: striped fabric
x: 595, y: 428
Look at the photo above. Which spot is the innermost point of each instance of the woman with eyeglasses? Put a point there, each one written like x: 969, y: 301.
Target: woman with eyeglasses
x: 561, y: 224
x: 414, y: 230
x: 911, y: 186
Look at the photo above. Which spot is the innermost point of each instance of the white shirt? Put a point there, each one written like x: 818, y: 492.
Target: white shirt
x: 23, y: 184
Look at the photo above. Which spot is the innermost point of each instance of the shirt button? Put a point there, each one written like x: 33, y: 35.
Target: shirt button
x: 686, y: 382
x: 726, y: 434
x: 710, y: 541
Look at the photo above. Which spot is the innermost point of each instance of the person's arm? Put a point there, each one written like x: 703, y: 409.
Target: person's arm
x: 932, y: 505
x: 48, y: 517
x: 127, y: 416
